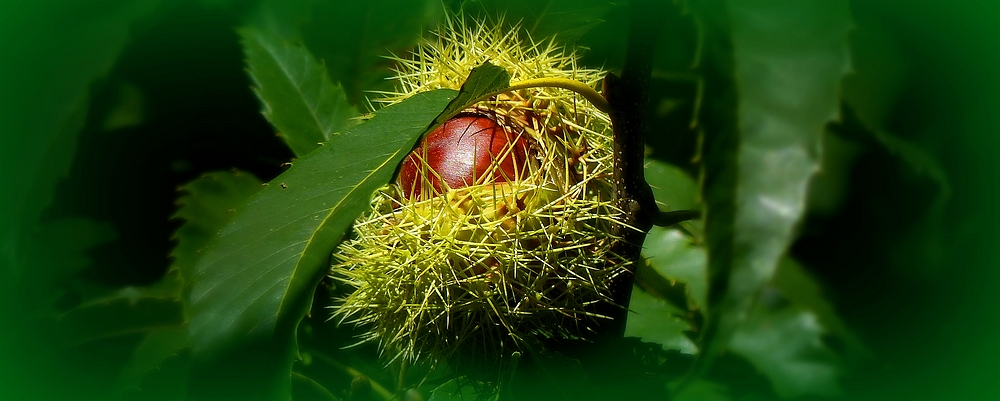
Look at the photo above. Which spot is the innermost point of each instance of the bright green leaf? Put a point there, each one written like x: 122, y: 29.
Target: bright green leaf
x: 256, y: 280
x: 484, y: 79
x: 672, y: 187
x: 654, y: 320
x: 299, y: 99
x: 676, y: 257
x: 786, y: 345
x: 789, y: 57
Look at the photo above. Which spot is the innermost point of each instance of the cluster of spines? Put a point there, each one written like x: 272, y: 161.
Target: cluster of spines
x: 474, y: 269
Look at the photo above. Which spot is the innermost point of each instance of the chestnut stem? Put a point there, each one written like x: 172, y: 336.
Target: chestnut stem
x: 627, y: 97
x: 576, y: 86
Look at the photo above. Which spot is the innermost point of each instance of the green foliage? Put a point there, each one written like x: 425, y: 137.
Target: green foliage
x: 757, y: 176
x: 299, y: 99
x: 207, y: 205
x: 353, y: 38
x: 258, y: 275
x: 752, y: 301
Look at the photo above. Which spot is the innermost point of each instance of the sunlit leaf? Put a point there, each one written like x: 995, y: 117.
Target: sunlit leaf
x: 786, y: 346
x: 483, y: 79
x: 256, y: 280
x: 299, y: 99
x: 654, y: 320
x: 789, y: 57
x: 674, y: 256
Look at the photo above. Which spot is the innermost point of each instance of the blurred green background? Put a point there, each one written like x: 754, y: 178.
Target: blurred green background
x: 107, y: 106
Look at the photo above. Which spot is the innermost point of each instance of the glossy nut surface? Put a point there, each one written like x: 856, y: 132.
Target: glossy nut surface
x: 466, y: 150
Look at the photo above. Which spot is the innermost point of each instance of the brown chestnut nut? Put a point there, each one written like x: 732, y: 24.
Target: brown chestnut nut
x: 469, y: 149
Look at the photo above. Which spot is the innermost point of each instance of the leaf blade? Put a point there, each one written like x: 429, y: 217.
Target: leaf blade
x: 322, y: 208
x: 299, y: 98
x: 789, y: 59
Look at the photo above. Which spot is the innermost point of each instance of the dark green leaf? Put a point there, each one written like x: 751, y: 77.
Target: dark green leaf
x: 208, y: 203
x: 45, y: 106
x: 168, y: 381
x: 256, y: 280
x: 299, y: 99
x: 802, y: 290
x: 282, y: 18
x: 354, y: 37
x: 115, y: 318
x: 566, y: 20
x: 149, y: 354
x: 551, y: 376
x: 702, y: 390
x: 463, y: 389
x: 484, y: 79
x: 789, y: 57
x: 786, y: 345
x: 655, y: 320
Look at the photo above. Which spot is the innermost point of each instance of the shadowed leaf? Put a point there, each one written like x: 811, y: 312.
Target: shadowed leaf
x: 462, y: 389
x: 786, y: 345
x: 208, y: 203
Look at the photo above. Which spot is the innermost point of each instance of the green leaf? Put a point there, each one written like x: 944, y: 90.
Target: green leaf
x: 802, y: 290
x: 655, y: 320
x: 299, y: 99
x: 208, y: 203
x: 463, y: 389
x: 114, y: 318
x: 483, y: 80
x: 354, y: 38
x: 672, y: 187
x: 256, y: 280
x: 789, y: 57
x: 676, y: 257
x: 151, y: 353
x: 786, y: 345
x: 702, y: 390
x: 45, y: 107
x: 168, y: 380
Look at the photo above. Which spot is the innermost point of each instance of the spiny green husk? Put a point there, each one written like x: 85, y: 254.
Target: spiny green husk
x: 482, y: 269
